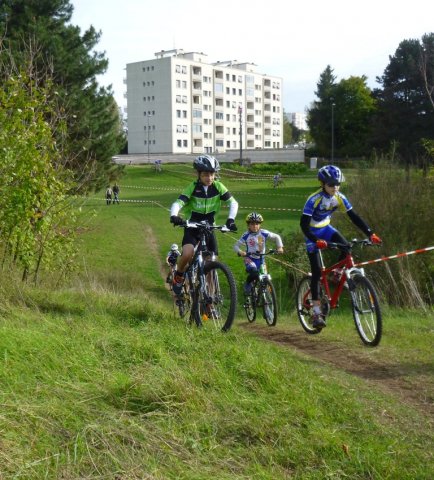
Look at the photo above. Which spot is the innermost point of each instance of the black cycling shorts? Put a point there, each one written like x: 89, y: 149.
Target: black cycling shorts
x: 192, y: 237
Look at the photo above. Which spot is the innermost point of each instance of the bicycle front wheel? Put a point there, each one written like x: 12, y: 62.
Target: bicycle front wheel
x: 269, y: 303
x: 222, y: 295
x: 250, y: 307
x: 184, y: 301
x: 304, y: 305
x: 366, y: 310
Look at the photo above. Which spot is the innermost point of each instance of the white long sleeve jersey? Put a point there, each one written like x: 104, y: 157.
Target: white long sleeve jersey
x: 253, y: 243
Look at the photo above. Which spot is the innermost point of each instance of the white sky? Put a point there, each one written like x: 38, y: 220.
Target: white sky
x: 292, y: 40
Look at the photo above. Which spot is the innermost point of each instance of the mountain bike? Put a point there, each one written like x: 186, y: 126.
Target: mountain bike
x: 364, y: 299
x: 262, y: 295
x: 209, y: 292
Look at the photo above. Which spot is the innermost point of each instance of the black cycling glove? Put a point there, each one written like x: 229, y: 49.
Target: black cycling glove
x: 177, y: 220
x: 230, y: 223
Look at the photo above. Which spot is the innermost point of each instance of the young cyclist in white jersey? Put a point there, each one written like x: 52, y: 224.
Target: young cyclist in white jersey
x: 251, y: 244
x: 171, y: 259
x: 202, y: 201
x: 315, y: 224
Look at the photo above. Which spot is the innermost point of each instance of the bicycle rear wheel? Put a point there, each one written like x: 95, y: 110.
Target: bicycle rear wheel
x: 366, y: 310
x: 269, y: 303
x: 304, y: 305
x: 221, y: 291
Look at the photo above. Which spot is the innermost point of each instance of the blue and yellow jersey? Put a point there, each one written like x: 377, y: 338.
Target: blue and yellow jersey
x: 321, y: 206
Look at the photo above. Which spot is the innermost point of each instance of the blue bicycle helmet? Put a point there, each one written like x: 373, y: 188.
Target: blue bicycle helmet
x: 331, y: 175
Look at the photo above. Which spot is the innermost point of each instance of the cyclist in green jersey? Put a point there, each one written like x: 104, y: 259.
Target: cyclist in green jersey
x: 202, y: 201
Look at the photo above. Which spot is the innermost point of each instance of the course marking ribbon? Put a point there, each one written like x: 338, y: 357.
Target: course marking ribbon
x: 398, y: 255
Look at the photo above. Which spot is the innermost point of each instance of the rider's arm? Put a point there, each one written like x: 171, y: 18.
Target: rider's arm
x: 233, y: 208
x: 359, y: 222
x: 226, y: 196
x: 305, y: 227
x: 277, y: 238
x: 238, y: 244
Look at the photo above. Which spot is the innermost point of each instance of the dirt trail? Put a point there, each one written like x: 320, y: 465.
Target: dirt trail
x: 154, y: 249
x: 403, y: 380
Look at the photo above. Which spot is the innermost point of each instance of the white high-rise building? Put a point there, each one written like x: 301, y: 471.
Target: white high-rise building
x: 179, y: 103
x: 298, y: 119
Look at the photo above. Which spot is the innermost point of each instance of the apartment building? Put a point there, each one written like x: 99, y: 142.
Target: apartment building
x: 178, y: 103
x: 299, y: 120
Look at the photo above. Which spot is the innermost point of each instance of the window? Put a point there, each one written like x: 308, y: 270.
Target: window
x: 184, y: 69
x: 178, y: 143
x: 184, y: 129
x: 178, y: 83
x: 178, y: 114
x: 185, y: 143
x: 184, y: 99
x: 178, y: 68
x: 219, y: 143
x: 197, y: 113
x: 178, y: 99
x: 197, y: 128
x: 219, y: 115
x: 178, y: 128
x: 184, y: 114
x: 218, y: 88
x: 184, y: 84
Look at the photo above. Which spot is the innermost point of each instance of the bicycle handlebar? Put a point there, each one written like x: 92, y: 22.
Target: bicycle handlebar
x: 204, y: 225
x: 351, y: 243
x: 272, y: 251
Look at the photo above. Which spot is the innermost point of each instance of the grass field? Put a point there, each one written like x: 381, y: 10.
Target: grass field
x: 101, y: 380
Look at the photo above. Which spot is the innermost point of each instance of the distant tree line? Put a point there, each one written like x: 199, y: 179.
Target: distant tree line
x: 354, y: 121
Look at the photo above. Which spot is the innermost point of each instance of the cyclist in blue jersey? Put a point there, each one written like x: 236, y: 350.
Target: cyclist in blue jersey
x: 254, y: 243
x: 202, y: 201
x: 315, y: 224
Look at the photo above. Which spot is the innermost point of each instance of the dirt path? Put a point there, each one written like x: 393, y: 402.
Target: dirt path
x: 406, y: 381
x: 153, y: 247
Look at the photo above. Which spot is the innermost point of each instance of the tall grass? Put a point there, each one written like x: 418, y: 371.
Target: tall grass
x: 398, y: 205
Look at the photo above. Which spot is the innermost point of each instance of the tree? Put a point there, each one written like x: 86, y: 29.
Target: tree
x: 93, y: 122
x: 319, y: 116
x: 341, y: 118
x: 406, y: 107
x: 287, y: 130
x: 36, y: 218
x: 353, y: 113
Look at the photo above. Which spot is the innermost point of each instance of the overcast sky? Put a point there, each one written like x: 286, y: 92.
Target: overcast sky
x: 292, y: 40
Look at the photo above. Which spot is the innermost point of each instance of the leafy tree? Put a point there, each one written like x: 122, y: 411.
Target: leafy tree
x: 353, y: 113
x: 36, y: 218
x: 406, y: 106
x: 94, y: 126
x: 344, y: 110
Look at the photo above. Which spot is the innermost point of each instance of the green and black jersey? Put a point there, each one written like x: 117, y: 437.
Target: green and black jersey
x: 200, y: 203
